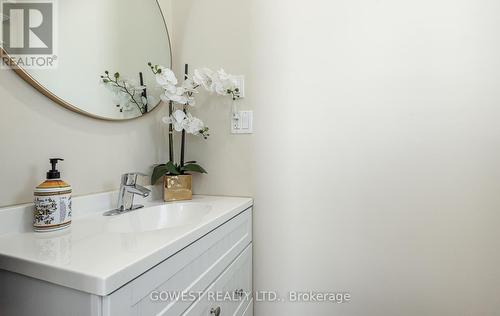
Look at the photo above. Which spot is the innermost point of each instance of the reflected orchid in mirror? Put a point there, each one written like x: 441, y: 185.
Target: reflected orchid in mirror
x: 128, y: 94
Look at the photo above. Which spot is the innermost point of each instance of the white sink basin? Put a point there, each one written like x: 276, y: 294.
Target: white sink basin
x: 159, y: 217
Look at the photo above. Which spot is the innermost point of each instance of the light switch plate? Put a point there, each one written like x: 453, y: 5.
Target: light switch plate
x: 242, y: 122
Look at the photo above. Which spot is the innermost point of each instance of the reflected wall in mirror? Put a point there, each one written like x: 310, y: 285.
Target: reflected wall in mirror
x: 92, y: 36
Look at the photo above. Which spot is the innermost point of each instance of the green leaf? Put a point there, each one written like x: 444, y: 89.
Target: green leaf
x: 172, y: 168
x: 158, y: 172
x: 192, y: 167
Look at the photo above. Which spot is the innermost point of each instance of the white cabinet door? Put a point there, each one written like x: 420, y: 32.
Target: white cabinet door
x: 231, y: 293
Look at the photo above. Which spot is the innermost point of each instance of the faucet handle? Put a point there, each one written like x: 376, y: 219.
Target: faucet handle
x: 131, y: 178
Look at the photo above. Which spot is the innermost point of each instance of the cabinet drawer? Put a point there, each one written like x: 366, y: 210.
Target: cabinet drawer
x: 221, y: 295
x: 191, y: 270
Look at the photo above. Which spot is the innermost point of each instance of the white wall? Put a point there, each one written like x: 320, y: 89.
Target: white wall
x: 376, y: 161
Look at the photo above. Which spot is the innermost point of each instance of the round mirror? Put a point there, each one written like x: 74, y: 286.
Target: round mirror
x: 89, y: 37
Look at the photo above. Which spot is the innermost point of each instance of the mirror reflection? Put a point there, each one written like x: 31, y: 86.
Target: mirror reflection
x: 94, y: 36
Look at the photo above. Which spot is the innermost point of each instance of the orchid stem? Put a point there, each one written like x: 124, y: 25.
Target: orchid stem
x: 183, y: 147
x: 183, y: 137
x: 170, y: 133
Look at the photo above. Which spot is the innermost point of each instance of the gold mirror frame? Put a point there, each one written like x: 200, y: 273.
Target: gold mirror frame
x: 46, y: 92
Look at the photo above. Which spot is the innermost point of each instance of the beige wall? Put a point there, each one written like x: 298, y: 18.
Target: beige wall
x: 378, y: 155
x: 216, y: 34
x: 96, y: 152
x: 388, y: 189
x: 375, y: 162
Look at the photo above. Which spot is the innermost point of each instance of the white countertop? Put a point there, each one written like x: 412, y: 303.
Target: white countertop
x: 89, y: 256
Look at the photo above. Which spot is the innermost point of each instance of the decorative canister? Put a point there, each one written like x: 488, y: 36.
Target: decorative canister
x: 177, y: 188
x: 52, y: 202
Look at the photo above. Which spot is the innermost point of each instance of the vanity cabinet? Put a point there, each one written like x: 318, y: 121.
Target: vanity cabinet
x: 220, y: 263
x: 211, y: 276
x: 235, y: 282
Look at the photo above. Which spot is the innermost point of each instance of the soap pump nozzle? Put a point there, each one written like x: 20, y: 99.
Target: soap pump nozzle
x: 54, y: 173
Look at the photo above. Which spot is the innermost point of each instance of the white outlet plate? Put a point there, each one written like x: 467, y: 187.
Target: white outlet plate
x: 242, y: 122
x: 240, y: 83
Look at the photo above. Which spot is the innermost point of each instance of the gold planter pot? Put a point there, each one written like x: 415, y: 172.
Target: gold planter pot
x: 177, y: 188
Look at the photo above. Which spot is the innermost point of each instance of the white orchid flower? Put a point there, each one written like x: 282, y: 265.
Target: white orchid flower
x: 218, y: 87
x: 181, y: 121
x: 203, y: 77
x: 170, y: 88
x: 190, y: 100
x: 223, y: 82
x: 189, y: 86
x: 164, y: 98
x: 177, y: 119
x: 166, y: 77
x: 223, y: 75
x: 152, y: 100
x: 193, y: 125
x: 124, y: 100
x: 112, y: 88
x: 175, y: 94
x: 174, y: 97
x: 121, y: 97
x: 220, y: 82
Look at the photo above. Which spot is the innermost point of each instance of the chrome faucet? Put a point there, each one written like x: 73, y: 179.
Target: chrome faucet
x: 128, y: 189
